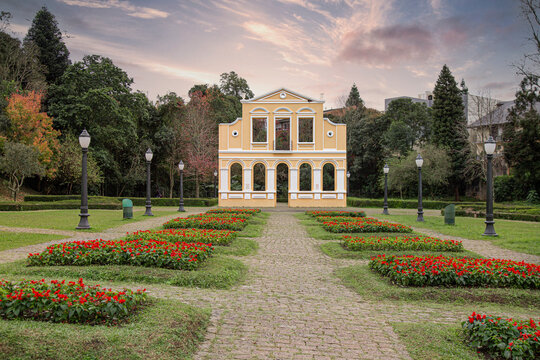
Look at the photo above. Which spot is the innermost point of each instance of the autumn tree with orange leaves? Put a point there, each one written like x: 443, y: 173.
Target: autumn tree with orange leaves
x: 34, y: 128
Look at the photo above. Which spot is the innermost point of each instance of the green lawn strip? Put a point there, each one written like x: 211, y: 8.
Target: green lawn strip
x: 238, y: 247
x: 335, y: 250
x: 521, y: 236
x: 255, y: 226
x: 374, y: 287
x: 217, y: 272
x: 427, y: 341
x: 166, y: 329
x: 14, y: 240
x: 69, y: 219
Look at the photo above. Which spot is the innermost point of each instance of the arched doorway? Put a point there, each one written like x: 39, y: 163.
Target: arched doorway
x: 282, y: 182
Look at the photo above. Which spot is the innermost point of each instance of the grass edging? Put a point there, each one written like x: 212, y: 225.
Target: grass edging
x: 165, y: 329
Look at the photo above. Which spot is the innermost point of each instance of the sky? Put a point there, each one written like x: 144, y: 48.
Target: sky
x: 319, y: 48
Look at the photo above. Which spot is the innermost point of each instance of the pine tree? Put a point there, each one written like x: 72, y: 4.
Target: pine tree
x: 53, y: 53
x: 449, y: 130
x: 354, y: 98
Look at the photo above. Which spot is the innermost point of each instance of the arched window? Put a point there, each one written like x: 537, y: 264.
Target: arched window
x: 236, y: 177
x: 259, y: 177
x: 305, y: 177
x: 329, y: 175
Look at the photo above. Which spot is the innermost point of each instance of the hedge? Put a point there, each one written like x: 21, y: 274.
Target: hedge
x: 401, y: 204
x: 66, y: 204
x: 497, y: 215
x: 137, y: 201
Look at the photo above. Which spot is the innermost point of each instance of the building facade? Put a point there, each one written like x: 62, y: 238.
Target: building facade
x: 282, y: 149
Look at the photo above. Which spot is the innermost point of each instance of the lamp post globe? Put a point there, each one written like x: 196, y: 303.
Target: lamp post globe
x: 419, y: 163
x: 181, y: 168
x: 215, y: 183
x: 489, y: 147
x: 84, y: 141
x: 386, y: 169
x: 148, y: 156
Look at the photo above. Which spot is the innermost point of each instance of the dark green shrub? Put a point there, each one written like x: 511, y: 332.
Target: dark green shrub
x: 504, y: 188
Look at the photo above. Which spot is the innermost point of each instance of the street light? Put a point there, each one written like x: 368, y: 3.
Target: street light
x: 215, y: 186
x: 385, y: 205
x: 181, y: 168
x: 419, y: 162
x: 148, y: 155
x: 348, y: 177
x: 84, y: 141
x: 489, y: 147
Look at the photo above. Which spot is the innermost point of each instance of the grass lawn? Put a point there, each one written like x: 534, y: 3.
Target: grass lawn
x: 521, y: 236
x: 375, y: 287
x: 69, y: 219
x: 238, y: 247
x: 335, y: 250
x: 219, y: 272
x: 13, y: 240
x: 166, y: 329
x: 426, y: 341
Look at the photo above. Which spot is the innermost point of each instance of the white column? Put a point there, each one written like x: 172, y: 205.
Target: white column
x: 224, y: 180
x: 247, y: 180
x: 340, y: 173
x: 293, y: 186
x: 271, y: 179
x: 317, y: 180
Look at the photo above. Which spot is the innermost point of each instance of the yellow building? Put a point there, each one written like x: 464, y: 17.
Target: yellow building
x: 282, y: 147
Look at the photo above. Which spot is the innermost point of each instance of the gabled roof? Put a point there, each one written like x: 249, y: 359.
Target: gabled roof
x: 499, y: 115
x: 289, y: 94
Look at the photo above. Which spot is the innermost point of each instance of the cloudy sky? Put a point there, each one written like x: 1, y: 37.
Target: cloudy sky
x: 387, y: 47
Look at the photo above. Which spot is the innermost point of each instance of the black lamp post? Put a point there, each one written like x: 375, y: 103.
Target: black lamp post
x: 84, y: 140
x: 489, y: 147
x: 385, y: 205
x: 215, y: 182
x: 419, y: 162
x: 348, y: 182
x: 181, y: 168
x: 148, y: 155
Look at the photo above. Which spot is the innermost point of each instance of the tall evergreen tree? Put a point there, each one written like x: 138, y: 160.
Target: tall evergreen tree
x: 449, y: 129
x: 354, y: 98
x: 53, y: 53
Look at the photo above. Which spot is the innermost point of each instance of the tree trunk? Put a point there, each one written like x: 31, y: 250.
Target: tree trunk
x: 171, y: 180
x: 456, y: 193
x: 197, y: 184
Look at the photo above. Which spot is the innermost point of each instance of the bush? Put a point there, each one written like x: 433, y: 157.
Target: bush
x: 73, y: 302
x: 336, y: 213
x: 364, y: 225
x: 233, y: 210
x: 505, y: 338
x: 57, y: 205
x: 137, y: 201
x: 496, y: 215
x: 507, y: 188
x: 408, y: 270
x: 401, y: 203
x: 245, y: 216
x: 206, y: 223
x: 210, y: 236
x: 138, y: 252
x: 532, y: 197
x: 400, y: 243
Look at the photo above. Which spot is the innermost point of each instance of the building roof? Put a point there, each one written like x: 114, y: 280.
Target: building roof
x: 308, y: 99
x: 499, y: 115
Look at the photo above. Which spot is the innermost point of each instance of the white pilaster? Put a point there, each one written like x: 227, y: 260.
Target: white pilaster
x: 271, y: 180
x: 293, y: 186
x: 340, y: 179
x: 247, y: 180
x: 317, y: 180
x: 224, y: 180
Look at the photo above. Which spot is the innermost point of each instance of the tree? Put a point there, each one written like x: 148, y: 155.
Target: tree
x: 34, y: 128
x: 199, y: 133
x: 464, y: 88
x: 522, y: 136
x: 19, y: 161
x: 530, y: 10
x: 450, y: 126
x: 403, y: 176
x: 232, y: 84
x: 354, y: 98
x: 410, y: 126
x: 53, y: 53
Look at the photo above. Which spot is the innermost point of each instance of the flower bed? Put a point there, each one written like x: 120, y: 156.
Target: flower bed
x: 337, y: 225
x: 138, y: 252
x: 245, y: 216
x: 211, y: 236
x: 452, y: 271
x: 72, y: 302
x: 202, y: 222
x: 233, y: 210
x: 400, y: 243
x: 324, y: 218
x: 505, y: 338
x: 336, y: 213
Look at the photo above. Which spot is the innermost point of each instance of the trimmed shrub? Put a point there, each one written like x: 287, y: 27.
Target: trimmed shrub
x: 401, y: 203
x: 210, y: 236
x: 206, y: 223
x: 400, y: 243
x: 233, y: 210
x: 364, y: 225
x: 336, y: 213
